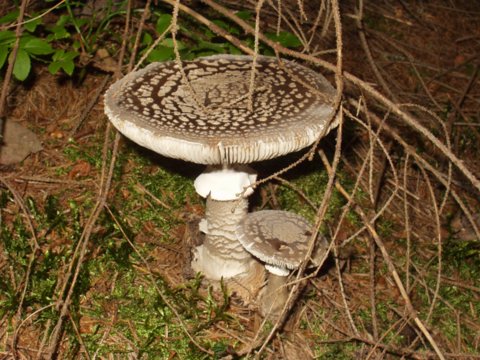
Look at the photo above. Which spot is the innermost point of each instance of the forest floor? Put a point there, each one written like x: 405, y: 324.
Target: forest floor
x: 92, y: 264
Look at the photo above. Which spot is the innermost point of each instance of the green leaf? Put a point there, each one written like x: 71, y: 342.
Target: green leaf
x: 54, y: 66
x: 37, y: 46
x: 209, y: 34
x: 10, y: 17
x: 222, y: 24
x: 231, y: 29
x: 63, y: 60
x: 168, y: 42
x: 26, y: 37
x: 3, y: 55
x: 147, y: 39
x: 61, y: 55
x: 189, y: 56
x: 76, y: 45
x: 81, y: 22
x: 7, y: 37
x: 160, y: 53
x: 68, y: 67
x: 31, y: 24
x: 244, y: 15
x: 64, y: 19
x: 285, y: 39
x: 206, y: 45
x: 163, y: 22
x: 58, y: 33
x: 268, y: 52
x: 234, y: 50
x: 22, y: 65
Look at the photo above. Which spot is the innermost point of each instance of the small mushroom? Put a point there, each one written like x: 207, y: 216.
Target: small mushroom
x: 280, y: 239
x: 202, y: 114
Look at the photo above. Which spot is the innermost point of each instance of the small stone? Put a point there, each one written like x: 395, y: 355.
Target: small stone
x: 18, y: 143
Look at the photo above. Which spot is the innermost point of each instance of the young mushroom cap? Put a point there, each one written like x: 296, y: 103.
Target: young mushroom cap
x: 279, y: 238
x: 207, y: 119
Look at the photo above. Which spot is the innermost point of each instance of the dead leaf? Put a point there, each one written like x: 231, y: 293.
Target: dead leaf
x: 80, y: 169
x: 104, y: 61
x: 57, y: 134
x: 125, y: 193
x: 459, y: 60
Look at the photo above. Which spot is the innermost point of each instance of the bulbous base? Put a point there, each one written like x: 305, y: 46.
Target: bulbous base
x: 273, y: 296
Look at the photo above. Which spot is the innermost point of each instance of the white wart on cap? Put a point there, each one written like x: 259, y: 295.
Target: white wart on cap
x: 154, y: 107
x: 279, y: 238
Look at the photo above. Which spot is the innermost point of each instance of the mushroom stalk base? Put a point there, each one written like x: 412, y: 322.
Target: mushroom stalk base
x: 273, y: 296
x: 222, y: 255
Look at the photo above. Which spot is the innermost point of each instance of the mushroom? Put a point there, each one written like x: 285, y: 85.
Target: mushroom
x: 201, y: 113
x: 280, y: 239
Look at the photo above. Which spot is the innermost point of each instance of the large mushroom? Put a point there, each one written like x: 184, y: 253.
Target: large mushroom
x: 202, y: 112
x: 280, y: 239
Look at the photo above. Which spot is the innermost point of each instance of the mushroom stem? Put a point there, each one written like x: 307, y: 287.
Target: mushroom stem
x: 274, y: 296
x: 226, y: 189
x: 221, y: 254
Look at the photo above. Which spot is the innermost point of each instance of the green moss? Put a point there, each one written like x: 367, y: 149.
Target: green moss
x: 336, y: 351
x: 144, y: 183
x: 143, y: 317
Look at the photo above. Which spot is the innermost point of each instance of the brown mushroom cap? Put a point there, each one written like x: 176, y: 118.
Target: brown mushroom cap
x: 279, y: 238
x: 154, y: 107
